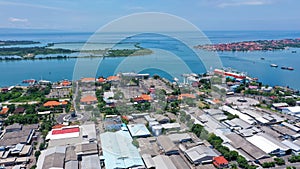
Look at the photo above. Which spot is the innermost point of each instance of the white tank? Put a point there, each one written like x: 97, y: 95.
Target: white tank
x: 157, y: 130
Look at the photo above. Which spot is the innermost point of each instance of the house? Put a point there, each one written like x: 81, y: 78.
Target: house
x: 186, y: 95
x: 101, y: 80
x: 220, y: 162
x: 279, y: 106
x: 138, y: 130
x: 166, y: 144
x: 19, y: 110
x: 54, y: 103
x: 161, y: 118
x: 200, y: 155
x: 163, y: 162
x: 52, y: 158
x: 88, y: 80
x: 13, y: 127
x: 143, y: 98
x: 88, y: 100
x: 112, y: 123
x: 4, y: 111
x: 112, y: 78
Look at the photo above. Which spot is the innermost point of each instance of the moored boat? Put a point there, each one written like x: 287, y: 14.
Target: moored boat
x: 283, y: 67
x: 30, y: 81
x: 273, y: 65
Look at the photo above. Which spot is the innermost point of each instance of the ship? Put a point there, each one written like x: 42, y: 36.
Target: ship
x: 283, y: 67
x: 230, y: 73
x: 30, y: 81
x: 287, y: 68
x: 294, y: 51
x: 273, y: 65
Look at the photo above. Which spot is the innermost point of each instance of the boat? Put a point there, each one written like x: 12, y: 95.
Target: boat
x: 283, y: 67
x: 230, y: 73
x: 294, y: 51
x: 30, y: 81
x: 273, y: 65
x: 290, y: 68
x: 262, y: 58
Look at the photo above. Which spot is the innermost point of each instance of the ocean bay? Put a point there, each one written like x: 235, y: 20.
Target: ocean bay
x: 13, y: 72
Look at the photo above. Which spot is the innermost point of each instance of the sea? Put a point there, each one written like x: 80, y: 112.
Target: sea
x: 173, y: 55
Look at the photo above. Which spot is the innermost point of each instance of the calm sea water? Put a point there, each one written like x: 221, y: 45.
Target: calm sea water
x: 13, y: 72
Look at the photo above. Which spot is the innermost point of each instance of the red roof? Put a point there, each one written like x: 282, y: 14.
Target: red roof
x: 58, y: 126
x: 186, y: 95
x: 54, y: 103
x: 101, y: 80
x: 220, y: 161
x: 88, y: 99
x: 113, y: 78
x: 4, y: 110
x: 65, y: 131
x: 88, y: 79
x: 66, y: 83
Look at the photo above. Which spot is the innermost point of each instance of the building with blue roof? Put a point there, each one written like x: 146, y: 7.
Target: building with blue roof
x: 118, y: 150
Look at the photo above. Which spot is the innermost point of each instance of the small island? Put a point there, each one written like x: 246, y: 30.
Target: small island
x: 20, y: 53
x: 13, y: 42
x: 259, y: 45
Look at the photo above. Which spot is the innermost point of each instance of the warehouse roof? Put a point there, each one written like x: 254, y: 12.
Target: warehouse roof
x: 118, y: 150
x: 163, y: 162
x: 266, y: 144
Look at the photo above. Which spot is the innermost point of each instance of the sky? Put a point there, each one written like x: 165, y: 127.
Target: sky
x: 90, y: 15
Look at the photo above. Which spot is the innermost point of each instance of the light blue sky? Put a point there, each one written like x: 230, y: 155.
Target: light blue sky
x: 89, y: 15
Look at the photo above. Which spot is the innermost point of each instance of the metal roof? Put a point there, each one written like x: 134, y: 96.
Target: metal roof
x: 91, y: 162
x: 291, y: 145
x: 138, y: 130
x: 118, y: 150
x: 163, y: 162
x: 266, y: 144
x: 199, y: 152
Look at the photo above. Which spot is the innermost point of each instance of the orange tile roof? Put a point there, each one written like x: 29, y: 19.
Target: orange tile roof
x: 66, y: 83
x: 88, y: 79
x: 101, y: 80
x: 111, y: 78
x: 58, y: 126
x: 220, y: 160
x: 216, y: 101
x: 146, y: 97
x: 88, y: 99
x: 4, y: 110
x: 186, y: 95
x: 54, y: 103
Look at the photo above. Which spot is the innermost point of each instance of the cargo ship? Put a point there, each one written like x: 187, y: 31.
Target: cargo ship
x: 230, y: 73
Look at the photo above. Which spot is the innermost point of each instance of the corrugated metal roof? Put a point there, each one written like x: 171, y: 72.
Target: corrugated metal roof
x: 118, y: 150
x: 163, y: 162
x: 90, y: 162
x: 138, y: 130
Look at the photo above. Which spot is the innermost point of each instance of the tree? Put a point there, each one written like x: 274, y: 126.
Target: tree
x: 268, y: 164
x: 279, y: 161
x: 37, y: 154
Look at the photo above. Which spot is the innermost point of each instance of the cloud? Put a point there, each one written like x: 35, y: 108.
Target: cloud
x: 135, y: 8
x: 12, y: 19
x: 229, y: 3
x: 31, y: 5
